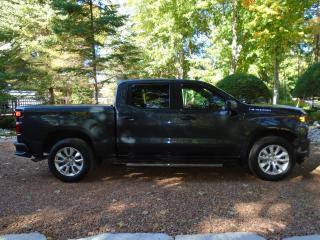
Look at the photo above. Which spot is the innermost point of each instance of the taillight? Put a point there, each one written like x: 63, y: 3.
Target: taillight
x: 18, y: 128
x: 18, y: 115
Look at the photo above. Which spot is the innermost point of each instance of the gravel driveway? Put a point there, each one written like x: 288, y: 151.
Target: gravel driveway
x: 171, y: 200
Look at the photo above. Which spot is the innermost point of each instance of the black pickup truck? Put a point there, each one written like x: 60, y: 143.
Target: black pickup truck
x: 164, y: 123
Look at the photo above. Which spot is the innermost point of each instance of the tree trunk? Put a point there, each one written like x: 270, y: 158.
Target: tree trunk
x: 181, y: 72
x: 276, y: 83
x: 316, y: 49
x: 94, y: 56
x: 299, y: 62
x: 67, y: 93
x: 234, y: 44
x: 284, y: 84
x: 317, y: 38
x: 190, y: 47
x: 51, y: 95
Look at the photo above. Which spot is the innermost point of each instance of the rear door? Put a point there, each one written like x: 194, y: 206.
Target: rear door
x: 145, y: 121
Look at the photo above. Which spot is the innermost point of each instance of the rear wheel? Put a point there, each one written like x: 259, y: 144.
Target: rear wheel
x: 70, y: 159
x: 272, y: 158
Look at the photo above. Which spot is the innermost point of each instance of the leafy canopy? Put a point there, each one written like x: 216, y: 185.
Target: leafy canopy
x: 168, y: 31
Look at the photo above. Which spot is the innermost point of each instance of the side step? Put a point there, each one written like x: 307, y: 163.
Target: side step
x: 171, y: 165
x: 38, y: 159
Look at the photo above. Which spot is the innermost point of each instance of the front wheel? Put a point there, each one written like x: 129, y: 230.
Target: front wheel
x: 272, y: 158
x: 70, y: 159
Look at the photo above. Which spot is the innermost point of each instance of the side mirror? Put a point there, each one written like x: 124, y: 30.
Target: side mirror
x: 231, y: 105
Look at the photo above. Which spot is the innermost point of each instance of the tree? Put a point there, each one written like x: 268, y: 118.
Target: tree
x: 245, y: 87
x: 313, y: 17
x: 3, y: 85
x: 277, y: 26
x: 127, y: 60
x: 234, y: 44
x: 25, y: 36
x: 229, y: 45
x: 34, y: 58
x: 308, y: 85
x: 167, y: 31
x: 85, y: 25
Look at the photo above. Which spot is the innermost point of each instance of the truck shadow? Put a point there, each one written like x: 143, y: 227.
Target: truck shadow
x: 229, y: 172
x: 153, y: 173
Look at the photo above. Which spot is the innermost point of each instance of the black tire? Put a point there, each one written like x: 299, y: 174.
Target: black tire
x: 79, y: 145
x: 259, y: 146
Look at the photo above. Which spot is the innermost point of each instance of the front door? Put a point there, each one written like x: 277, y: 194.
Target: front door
x: 203, y: 125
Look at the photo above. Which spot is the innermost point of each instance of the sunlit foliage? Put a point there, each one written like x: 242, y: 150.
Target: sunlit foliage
x: 67, y: 50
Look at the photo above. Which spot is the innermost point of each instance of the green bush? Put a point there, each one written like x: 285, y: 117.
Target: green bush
x: 7, y: 122
x: 314, y: 116
x: 4, y: 96
x: 287, y: 102
x: 308, y: 85
x: 245, y: 87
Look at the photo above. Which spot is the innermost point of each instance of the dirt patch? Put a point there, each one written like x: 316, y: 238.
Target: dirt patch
x: 171, y: 200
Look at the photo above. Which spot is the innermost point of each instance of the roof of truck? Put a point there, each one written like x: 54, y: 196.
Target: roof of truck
x: 154, y: 80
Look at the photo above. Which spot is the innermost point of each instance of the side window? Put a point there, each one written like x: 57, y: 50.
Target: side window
x: 150, y: 96
x: 201, y: 98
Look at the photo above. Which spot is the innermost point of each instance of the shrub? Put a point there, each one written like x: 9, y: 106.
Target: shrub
x: 7, y: 122
x: 314, y: 116
x: 308, y: 85
x: 287, y: 102
x: 4, y: 96
x: 245, y: 87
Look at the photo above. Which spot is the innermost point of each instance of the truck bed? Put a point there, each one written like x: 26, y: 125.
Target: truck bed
x: 44, y: 124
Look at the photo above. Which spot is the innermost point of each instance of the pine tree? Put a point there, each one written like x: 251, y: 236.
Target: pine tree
x: 84, y: 25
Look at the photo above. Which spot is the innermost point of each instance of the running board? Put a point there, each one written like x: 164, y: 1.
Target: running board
x: 37, y: 159
x: 171, y: 165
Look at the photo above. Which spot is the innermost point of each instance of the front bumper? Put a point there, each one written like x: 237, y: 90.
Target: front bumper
x: 22, y: 150
x: 302, y: 149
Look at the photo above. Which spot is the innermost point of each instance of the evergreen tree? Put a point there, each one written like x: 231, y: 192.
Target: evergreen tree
x: 83, y: 26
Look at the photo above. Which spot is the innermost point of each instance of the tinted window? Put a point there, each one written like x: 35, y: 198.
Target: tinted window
x: 150, y: 96
x: 201, y: 98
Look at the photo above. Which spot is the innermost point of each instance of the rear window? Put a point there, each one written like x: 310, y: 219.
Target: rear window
x: 150, y: 96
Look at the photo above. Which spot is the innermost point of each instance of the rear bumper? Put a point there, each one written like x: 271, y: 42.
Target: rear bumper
x: 22, y: 150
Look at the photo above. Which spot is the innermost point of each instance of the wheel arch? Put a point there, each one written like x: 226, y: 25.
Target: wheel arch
x: 286, y: 134
x: 58, y: 135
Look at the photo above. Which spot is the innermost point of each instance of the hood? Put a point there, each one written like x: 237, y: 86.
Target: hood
x: 277, y: 109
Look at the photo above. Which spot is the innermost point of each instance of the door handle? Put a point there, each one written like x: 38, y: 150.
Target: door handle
x: 129, y: 118
x: 188, y: 118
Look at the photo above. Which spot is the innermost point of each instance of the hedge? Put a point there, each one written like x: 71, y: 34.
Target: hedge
x: 7, y: 122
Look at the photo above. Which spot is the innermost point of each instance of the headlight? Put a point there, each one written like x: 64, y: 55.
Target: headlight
x: 302, y: 119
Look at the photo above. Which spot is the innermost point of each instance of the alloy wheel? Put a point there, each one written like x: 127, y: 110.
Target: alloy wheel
x: 69, y: 161
x: 273, y: 159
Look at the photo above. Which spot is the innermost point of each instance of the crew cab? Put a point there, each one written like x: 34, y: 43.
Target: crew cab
x: 164, y: 123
